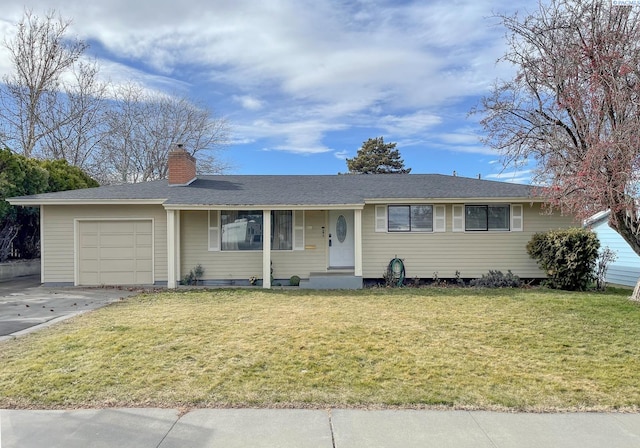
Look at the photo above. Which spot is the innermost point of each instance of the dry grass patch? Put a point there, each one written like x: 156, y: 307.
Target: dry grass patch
x: 514, y: 349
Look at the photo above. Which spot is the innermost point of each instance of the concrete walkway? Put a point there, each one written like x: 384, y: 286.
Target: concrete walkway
x: 336, y: 428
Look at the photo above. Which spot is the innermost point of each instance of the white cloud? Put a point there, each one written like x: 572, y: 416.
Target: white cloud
x: 240, y: 141
x: 300, y: 137
x: 342, y: 155
x: 411, y: 124
x: 6, y: 29
x: 461, y: 136
x: 515, y: 176
x: 457, y: 140
x: 321, y: 66
x: 315, y: 51
x: 119, y: 74
x: 248, y: 102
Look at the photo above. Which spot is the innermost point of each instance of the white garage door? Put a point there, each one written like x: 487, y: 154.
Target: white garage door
x: 115, y: 253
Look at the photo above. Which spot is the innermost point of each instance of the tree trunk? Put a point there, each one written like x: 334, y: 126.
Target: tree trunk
x: 625, y: 226
x: 636, y: 292
x: 7, y: 235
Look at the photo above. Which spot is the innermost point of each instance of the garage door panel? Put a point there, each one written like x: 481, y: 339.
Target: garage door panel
x: 89, y: 265
x: 117, y: 278
x: 111, y: 253
x: 90, y: 227
x: 144, y: 252
x: 142, y: 265
x: 142, y: 227
x: 89, y: 240
x: 91, y: 278
x: 143, y: 239
x: 90, y: 253
x: 116, y: 240
x: 117, y: 265
x: 115, y: 252
x: 144, y: 278
x: 117, y: 226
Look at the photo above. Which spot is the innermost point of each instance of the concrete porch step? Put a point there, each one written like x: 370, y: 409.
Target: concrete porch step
x: 339, y: 279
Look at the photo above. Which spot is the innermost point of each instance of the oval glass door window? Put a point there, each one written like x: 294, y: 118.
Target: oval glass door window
x: 341, y: 228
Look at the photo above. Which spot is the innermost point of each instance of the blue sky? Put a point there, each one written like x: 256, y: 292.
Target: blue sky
x: 304, y: 83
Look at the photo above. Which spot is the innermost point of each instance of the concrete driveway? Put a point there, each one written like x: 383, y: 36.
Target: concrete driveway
x: 26, y: 305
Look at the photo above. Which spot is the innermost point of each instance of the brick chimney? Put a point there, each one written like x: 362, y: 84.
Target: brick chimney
x: 182, y: 166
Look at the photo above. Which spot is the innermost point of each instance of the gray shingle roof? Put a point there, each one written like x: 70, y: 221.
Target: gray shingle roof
x: 297, y: 190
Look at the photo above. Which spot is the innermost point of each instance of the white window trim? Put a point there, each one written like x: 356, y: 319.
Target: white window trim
x: 458, y: 218
x: 516, y: 218
x: 381, y: 218
x: 214, y: 236
x: 438, y: 223
x: 214, y: 230
x: 298, y: 230
x: 487, y: 206
x: 439, y: 218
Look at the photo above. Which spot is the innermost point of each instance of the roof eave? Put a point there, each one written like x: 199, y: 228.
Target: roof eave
x: 597, y: 218
x: 264, y: 206
x: 455, y: 200
x: 38, y: 202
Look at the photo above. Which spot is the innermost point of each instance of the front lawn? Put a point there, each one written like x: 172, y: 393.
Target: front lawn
x: 461, y: 348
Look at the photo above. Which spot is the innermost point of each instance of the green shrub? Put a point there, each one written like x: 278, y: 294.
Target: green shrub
x: 294, y: 280
x: 194, y: 276
x: 567, y: 256
x: 496, y: 279
x: 188, y: 279
x: 605, y: 258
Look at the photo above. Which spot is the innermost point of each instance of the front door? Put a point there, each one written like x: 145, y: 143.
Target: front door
x: 341, y: 239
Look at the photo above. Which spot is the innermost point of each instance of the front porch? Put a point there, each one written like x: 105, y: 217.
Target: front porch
x: 322, y: 246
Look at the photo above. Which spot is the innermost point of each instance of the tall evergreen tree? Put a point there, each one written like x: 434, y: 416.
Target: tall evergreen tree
x: 377, y: 157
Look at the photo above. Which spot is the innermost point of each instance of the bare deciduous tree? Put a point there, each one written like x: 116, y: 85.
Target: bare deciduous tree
x: 75, y: 120
x: 53, y: 105
x: 40, y: 53
x: 574, y: 107
x: 142, y: 126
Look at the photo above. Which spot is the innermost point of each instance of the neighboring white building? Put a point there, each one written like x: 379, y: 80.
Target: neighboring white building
x: 626, y: 269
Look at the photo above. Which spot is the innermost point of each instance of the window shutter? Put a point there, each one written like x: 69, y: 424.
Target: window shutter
x: 517, y: 218
x: 458, y: 218
x: 440, y: 218
x: 214, y: 230
x: 298, y: 230
x: 381, y: 218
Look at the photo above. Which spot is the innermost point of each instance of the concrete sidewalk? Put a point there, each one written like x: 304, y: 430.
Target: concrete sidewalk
x: 336, y: 428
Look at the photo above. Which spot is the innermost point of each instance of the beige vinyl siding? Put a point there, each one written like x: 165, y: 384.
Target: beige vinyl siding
x: 240, y: 265
x: 471, y: 253
x: 58, y: 232
x: 312, y: 259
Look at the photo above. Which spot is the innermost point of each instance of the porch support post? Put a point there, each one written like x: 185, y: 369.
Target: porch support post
x: 177, y: 246
x: 172, y: 244
x: 266, y: 249
x: 357, y: 233
x: 43, y: 247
